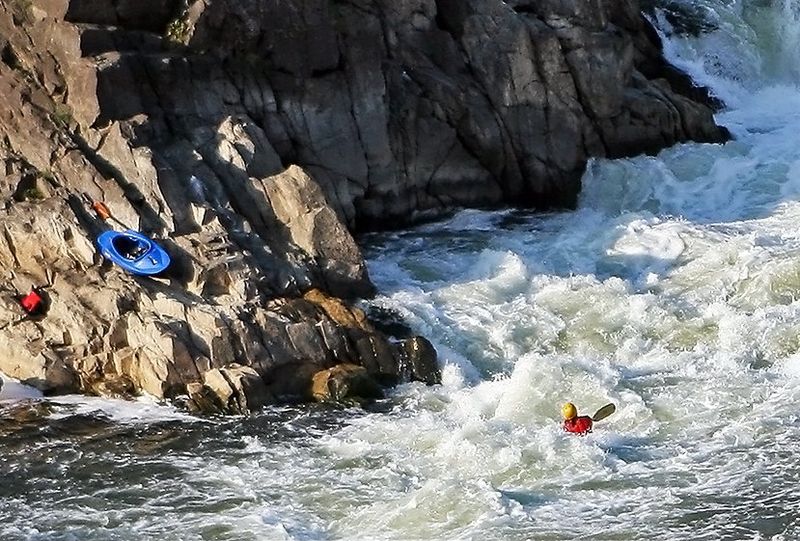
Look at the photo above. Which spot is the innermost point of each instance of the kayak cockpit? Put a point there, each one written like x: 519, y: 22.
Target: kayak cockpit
x: 131, y: 248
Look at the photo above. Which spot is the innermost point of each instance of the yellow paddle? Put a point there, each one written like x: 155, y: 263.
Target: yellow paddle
x: 604, y: 412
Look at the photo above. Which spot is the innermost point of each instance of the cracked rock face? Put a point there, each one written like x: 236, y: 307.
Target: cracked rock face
x: 249, y: 137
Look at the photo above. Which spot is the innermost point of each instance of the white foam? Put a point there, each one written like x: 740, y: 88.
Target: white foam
x: 143, y: 409
x: 13, y: 390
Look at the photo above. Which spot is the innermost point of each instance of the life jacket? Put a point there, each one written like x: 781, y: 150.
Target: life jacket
x: 578, y: 425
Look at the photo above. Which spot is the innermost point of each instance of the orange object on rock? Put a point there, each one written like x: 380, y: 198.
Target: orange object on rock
x: 101, y: 210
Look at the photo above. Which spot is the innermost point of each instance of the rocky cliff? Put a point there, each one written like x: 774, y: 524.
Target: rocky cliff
x: 251, y: 137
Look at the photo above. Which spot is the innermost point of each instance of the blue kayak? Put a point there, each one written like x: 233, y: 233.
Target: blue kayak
x: 133, y: 252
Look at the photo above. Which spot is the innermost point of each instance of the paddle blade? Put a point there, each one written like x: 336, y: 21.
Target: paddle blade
x: 604, y: 412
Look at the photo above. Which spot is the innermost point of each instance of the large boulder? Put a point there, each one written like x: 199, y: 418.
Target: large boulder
x: 418, y: 361
x: 345, y: 383
x: 311, y: 224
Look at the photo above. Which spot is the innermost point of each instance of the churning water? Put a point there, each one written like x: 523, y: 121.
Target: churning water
x: 673, y: 291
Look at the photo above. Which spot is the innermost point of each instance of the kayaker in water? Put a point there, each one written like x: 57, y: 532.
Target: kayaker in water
x: 583, y: 425
x: 573, y: 423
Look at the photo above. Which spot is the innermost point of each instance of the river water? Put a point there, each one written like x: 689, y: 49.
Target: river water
x: 673, y: 291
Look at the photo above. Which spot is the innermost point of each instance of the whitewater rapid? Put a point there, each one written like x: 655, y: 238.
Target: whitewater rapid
x: 673, y: 291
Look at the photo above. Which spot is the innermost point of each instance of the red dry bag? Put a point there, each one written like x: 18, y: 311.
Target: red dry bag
x: 31, y: 302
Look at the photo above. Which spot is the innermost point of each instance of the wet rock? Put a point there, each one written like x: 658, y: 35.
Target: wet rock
x: 389, y: 322
x: 418, y: 360
x: 19, y: 417
x: 291, y: 382
x: 343, y: 383
x: 378, y: 357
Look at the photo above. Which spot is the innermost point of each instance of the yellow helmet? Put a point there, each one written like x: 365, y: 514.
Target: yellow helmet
x: 569, y: 411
